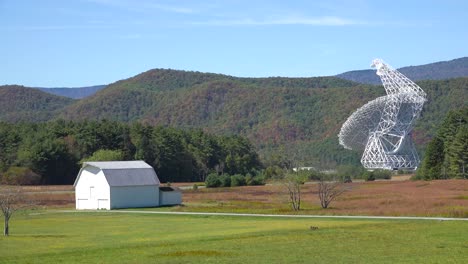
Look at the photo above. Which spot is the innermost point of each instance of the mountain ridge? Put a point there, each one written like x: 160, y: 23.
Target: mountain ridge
x: 19, y: 103
x: 73, y: 92
x: 432, y: 71
x: 281, y: 116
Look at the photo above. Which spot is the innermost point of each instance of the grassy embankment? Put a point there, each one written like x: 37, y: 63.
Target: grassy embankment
x: 106, y: 237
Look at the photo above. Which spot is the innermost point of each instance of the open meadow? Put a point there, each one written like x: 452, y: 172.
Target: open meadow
x: 446, y: 198
x: 39, y: 236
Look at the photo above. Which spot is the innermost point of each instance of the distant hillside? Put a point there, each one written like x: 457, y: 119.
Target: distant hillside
x: 283, y: 117
x: 18, y: 103
x: 296, y: 115
x: 433, y: 71
x: 75, y: 93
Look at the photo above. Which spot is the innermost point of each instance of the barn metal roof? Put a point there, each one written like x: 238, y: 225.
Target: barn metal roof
x: 126, y: 173
x: 131, y: 164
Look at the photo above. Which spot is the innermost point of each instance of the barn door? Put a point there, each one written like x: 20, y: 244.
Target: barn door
x: 103, y: 204
x: 91, y: 192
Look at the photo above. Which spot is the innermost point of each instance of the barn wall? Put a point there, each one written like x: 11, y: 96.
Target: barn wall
x: 92, y: 190
x: 170, y: 198
x: 134, y: 196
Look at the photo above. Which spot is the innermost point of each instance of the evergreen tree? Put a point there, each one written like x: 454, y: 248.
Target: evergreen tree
x: 458, y: 154
x: 446, y: 154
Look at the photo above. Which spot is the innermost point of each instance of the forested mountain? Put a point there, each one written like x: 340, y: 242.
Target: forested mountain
x: 433, y: 71
x: 269, y: 111
x: 75, y: 92
x: 285, y: 118
x: 18, y: 103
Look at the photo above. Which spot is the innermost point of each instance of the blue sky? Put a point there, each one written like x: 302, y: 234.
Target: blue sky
x: 88, y: 42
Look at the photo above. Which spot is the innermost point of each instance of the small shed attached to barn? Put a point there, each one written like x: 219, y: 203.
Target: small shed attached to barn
x: 121, y: 184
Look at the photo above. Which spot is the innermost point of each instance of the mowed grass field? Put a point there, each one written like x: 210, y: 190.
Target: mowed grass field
x: 114, y: 237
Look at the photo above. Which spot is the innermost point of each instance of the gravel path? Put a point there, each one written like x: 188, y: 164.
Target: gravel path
x: 273, y: 215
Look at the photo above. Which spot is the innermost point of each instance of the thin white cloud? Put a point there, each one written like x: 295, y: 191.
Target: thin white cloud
x: 131, y: 36
x: 57, y: 28
x: 143, y: 6
x: 316, y: 21
x: 175, y: 9
x: 87, y: 25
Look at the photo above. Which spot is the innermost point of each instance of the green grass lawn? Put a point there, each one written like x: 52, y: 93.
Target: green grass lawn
x: 104, y: 237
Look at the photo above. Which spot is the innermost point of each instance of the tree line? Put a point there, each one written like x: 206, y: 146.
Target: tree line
x: 52, y: 152
x: 446, y: 155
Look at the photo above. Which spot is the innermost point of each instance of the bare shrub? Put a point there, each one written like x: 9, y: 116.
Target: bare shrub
x: 329, y: 191
x: 11, y: 200
x: 293, y: 183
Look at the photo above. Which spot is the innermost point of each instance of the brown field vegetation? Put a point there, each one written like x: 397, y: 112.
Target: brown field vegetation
x: 387, y: 198
x: 49, y: 195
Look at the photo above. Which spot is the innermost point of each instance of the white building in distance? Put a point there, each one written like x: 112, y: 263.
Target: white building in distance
x: 121, y: 184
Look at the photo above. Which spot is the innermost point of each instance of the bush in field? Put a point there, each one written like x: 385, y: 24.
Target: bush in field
x: 369, y: 176
x: 238, y: 180
x: 256, y: 180
x: 212, y: 181
x: 351, y: 171
x: 20, y: 176
x: 383, y: 174
x: 273, y: 172
x: 225, y: 180
x: 377, y: 174
x: 248, y: 179
x: 315, y: 175
x: 347, y: 179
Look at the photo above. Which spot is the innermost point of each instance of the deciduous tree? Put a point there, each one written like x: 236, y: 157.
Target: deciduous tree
x: 11, y: 200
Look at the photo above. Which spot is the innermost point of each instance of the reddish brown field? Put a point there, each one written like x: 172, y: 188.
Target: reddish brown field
x: 49, y: 195
x: 386, y: 198
x: 389, y: 198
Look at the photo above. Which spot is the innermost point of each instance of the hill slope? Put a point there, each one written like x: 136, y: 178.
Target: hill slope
x: 18, y: 103
x: 296, y: 118
x: 166, y: 79
x: 433, y: 71
x: 294, y: 115
x: 75, y: 93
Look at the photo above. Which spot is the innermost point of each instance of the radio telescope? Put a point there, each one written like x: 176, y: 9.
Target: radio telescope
x: 381, y: 128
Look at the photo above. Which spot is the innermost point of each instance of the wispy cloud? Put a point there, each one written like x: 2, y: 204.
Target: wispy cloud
x: 142, y: 6
x: 175, y: 9
x: 57, y: 28
x: 131, y: 36
x: 86, y: 25
x: 311, y: 21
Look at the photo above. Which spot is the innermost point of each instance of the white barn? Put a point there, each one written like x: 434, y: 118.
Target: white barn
x: 121, y: 184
